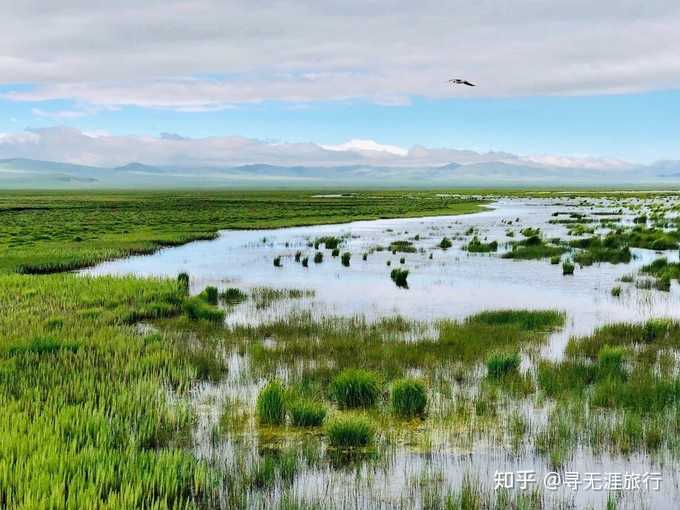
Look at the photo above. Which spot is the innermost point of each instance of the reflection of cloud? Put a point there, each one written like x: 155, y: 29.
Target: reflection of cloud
x: 209, y: 55
x: 103, y: 149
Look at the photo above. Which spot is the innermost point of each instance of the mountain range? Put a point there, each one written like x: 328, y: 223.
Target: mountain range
x: 19, y: 173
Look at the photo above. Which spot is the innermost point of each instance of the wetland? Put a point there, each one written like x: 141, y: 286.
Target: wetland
x: 432, y: 341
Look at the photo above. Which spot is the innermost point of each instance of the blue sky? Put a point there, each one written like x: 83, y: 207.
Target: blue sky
x: 636, y: 127
x: 563, y: 78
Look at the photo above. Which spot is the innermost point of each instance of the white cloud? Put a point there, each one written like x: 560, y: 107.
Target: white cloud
x: 210, y: 55
x: 100, y: 148
x: 367, y: 146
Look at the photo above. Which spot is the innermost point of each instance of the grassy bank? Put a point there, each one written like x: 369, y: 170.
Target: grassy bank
x: 47, y: 232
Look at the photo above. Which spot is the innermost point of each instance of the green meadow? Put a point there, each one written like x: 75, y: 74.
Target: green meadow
x: 123, y: 392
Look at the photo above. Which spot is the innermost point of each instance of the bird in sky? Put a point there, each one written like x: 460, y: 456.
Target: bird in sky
x: 458, y: 81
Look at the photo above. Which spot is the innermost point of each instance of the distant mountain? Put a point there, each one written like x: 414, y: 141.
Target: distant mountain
x: 139, y: 168
x: 28, y: 173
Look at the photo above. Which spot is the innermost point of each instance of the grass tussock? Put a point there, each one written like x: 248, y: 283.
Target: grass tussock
x: 354, y: 388
x: 307, y: 413
x: 477, y: 246
x: 271, y: 404
x: 350, y: 431
x: 400, y: 277
x: 533, y: 248
x: 501, y: 364
x: 409, y: 398
x: 198, y: 309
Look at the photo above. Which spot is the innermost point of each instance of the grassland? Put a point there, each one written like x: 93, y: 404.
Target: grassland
x: 95, y: 413
x: 47, y: 232
x: 99, y: 376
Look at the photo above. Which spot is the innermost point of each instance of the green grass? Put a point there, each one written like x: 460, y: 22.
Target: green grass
x: 350, y: 432
x: 183, y: 281
x: 233, y: 296
x: 533, y: 248
x: 663, y: 271
x: 445, y: 243
x: 87, y: 419
x: 409, y: 398
x: 45, y: 232
x: 402, y: 247
x: 197, y: 309
x: 271, y: 404
x: 98, y: 412
x: 527, y: 320
x: 501, y: 364
x: 477, y: 246
x: 306, y: 413
x: 567, y: 268
x: 354, y: 388
x: 329, y: 242
x: 210, y: 295
x: 346, y: 258
x: 612, y: 249
x: 399, y: 277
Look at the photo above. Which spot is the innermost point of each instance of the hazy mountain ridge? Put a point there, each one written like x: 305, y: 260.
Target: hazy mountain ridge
x: 29, y: 173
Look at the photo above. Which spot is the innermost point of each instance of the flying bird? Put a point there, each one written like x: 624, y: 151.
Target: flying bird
x: 458, y: 81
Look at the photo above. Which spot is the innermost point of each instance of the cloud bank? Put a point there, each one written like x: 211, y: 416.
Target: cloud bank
x: 208, y: 55
x: 70, y: 145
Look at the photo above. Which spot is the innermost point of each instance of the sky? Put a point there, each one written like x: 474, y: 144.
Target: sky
x: 576, y: 78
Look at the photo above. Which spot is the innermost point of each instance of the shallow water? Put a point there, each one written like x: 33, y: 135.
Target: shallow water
x: 453, y: 284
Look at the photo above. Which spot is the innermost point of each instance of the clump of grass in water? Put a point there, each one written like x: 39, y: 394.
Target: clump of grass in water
x: 277, y: 261
x: 210, y: 295
x: 318, y: 257
x: 663, y: 284
x: 616, y: 291
x: 298, y: 255
x: 555, y: 260
x: 533, y: 248
x: 445, y: 243
x: 399, y: 277
x: 305, y: 262
x: 409, y: 398
x: 501, y: 364
x: 330, y: 242
x: 477, y: 246
x: 306, y: 413
x: 271, y: 406
x: 354, y: 388
x: 402, y: 246
x: 527, y: 320
x: 335, y: 252
x: 567, y: 268
x: 233, y: 296
x: 345, y: 258
x: 350, y: 432
x: 364, y: 256
x: 265, y: 296
x: 610, y: 360
x: 183, y: 281
x: 402, y: 260
x: 197, y: 309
